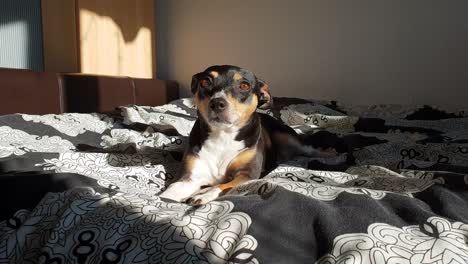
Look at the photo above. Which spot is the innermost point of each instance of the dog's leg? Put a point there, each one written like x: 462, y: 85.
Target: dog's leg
x: 292, y: 146
x: 210, y: 193
x: 246, y: 166
x: 180, y: 190
x: 195, y: 176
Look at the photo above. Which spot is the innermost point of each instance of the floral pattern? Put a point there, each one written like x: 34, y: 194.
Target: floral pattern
x: 134, y: 174
x: 73, y: 124
x: 372, y: 181
x: 435, y: 241
x: 396, y: 167
x: 109, y: 227
x: 160, y: 120
x: 149, y: 141
x: 17, y: 142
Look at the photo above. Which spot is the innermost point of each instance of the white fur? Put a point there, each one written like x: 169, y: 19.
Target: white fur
x: 210, y: 167
x: 209, y: 194
x: 179, y: 191
x: 215, y: 155
x: 220, y: 94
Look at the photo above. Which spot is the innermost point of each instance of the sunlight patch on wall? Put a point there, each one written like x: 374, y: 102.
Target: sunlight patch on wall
x: 113, y: 48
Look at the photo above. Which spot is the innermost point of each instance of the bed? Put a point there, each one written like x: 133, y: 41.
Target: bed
x: 83, y: 188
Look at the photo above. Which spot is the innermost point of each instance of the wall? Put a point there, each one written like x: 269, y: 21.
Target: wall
x: 21, y: 34
x: 59, y: 35
x: 362, y: 51
x: 117, y: 37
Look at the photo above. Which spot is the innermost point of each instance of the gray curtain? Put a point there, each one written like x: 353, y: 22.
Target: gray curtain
x: 21, y: 34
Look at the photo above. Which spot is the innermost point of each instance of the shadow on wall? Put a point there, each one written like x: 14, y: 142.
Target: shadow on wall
x: 21, y: 34
x: 162, y: 38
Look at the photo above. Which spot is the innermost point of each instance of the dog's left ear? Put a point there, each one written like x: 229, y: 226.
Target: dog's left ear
x: 265, y: 100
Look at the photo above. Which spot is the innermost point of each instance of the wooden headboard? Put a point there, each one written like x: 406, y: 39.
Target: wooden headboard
x: 31, y: 92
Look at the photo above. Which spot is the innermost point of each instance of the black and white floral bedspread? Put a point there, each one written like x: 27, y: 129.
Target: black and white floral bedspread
x: 82, y: 188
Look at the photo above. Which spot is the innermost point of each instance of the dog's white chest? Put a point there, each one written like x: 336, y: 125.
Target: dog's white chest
x: 216, y: 153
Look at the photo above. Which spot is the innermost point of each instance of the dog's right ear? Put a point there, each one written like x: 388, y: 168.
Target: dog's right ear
x: 265, y: 100
x: 194, y: 84
x: 200, y: 79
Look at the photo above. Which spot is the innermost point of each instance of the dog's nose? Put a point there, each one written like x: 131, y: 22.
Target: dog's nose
x: 218, y: 104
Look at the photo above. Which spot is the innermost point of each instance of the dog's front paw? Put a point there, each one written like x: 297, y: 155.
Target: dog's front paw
x: 177, y: 191
x: 171, y: 195
x: 204, y: 196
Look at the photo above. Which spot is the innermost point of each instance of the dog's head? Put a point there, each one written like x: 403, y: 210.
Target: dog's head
x: 229, y: 95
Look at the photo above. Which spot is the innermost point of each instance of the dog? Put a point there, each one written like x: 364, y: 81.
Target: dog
x: 230, y: 142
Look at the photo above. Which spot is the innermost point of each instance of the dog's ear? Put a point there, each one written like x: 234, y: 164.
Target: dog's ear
x: 200, y: 79
x: 194, y: 84
x: 265, y: 100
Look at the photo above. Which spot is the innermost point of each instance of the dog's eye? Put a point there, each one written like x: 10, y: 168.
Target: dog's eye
x: 245, y: 86
x: 204, y: 83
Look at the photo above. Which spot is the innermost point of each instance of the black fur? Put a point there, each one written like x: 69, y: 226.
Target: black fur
x: 251, y: 133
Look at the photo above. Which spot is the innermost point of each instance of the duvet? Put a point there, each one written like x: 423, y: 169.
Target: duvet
x: 83, y: 188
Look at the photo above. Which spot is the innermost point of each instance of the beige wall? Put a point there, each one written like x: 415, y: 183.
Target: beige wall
x: 360, y: 51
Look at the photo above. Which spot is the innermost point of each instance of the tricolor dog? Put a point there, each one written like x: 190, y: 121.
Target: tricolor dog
x: 230, y: 143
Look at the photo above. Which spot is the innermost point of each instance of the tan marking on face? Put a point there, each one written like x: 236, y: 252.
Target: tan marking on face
x: 214, y: 74
x: 202, y: 105
x: 245, y: 110
x: 237, y: 76
x: 265, y: 90
x: 242, y: 162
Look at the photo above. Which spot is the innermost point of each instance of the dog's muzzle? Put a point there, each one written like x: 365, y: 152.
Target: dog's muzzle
x: 218, y: 105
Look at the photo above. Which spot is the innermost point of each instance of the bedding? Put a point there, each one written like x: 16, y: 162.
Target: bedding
x: 83, y: 188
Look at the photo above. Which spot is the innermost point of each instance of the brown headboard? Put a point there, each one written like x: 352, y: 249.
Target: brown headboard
x: 31, y: 92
